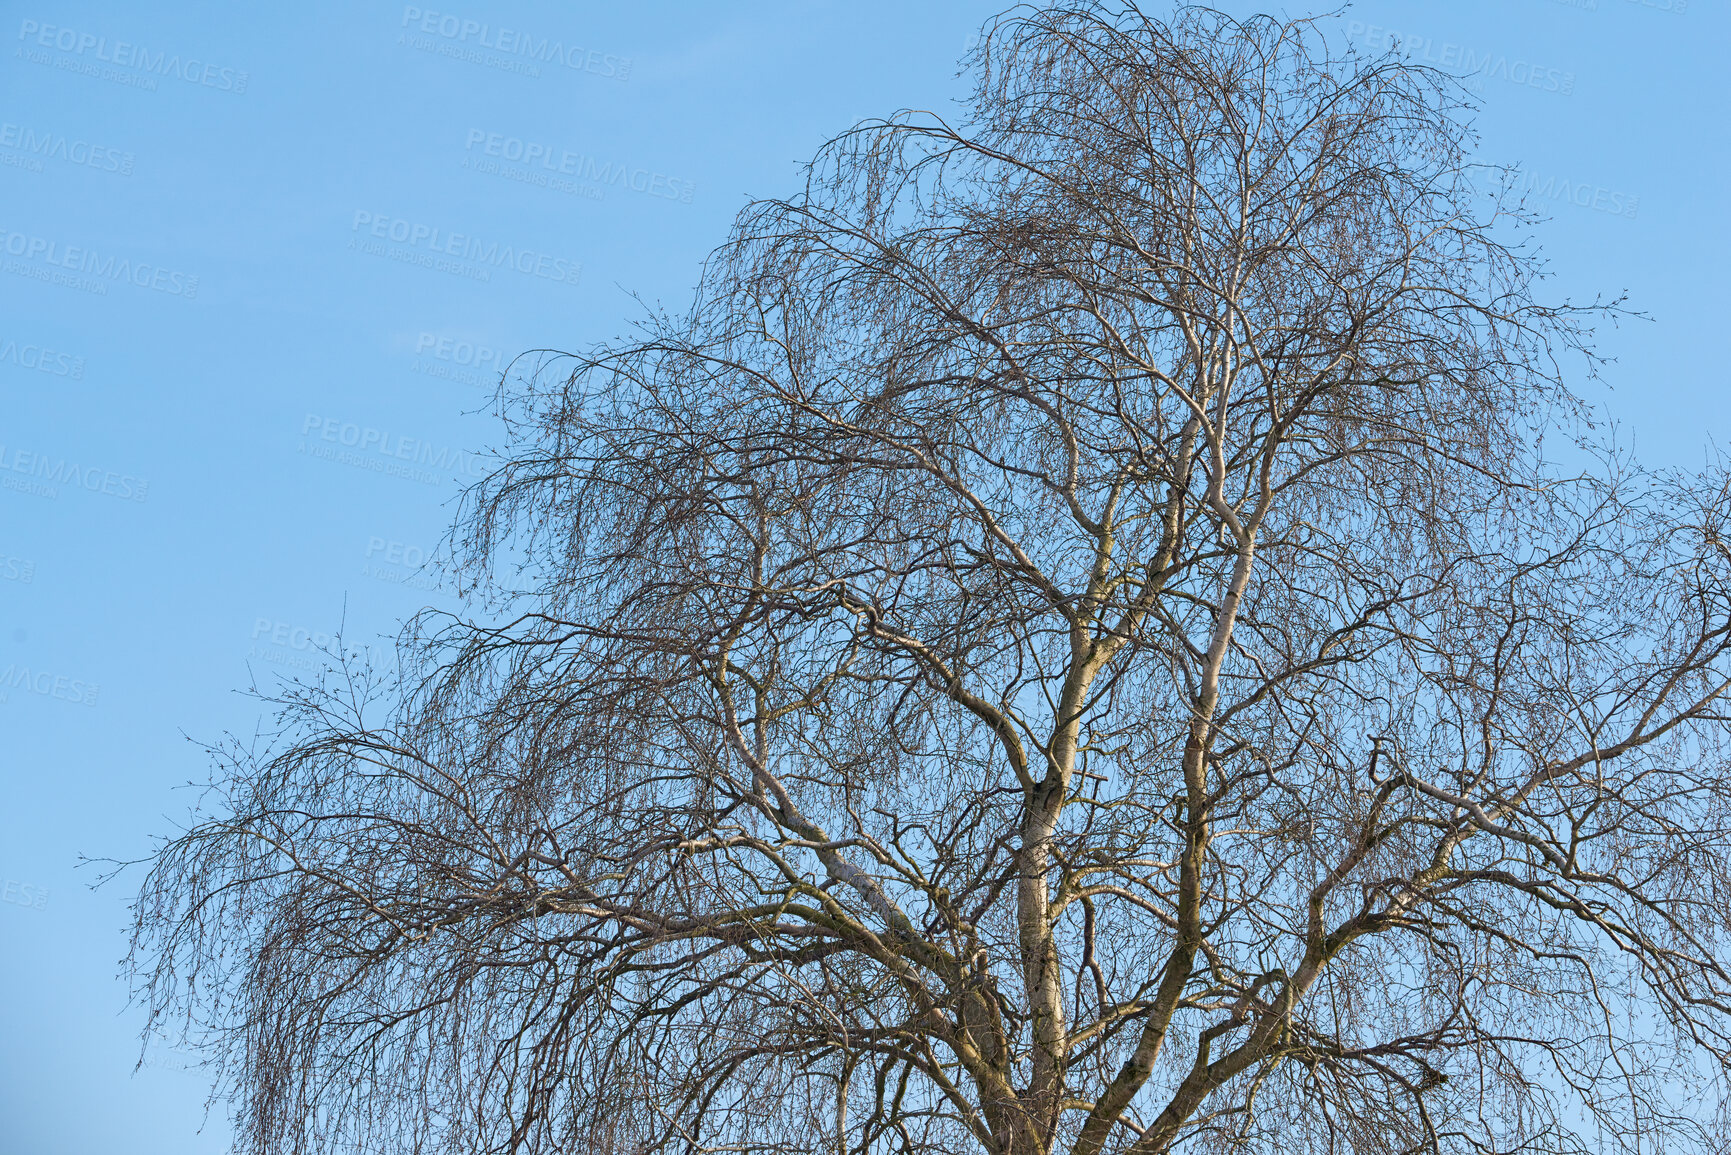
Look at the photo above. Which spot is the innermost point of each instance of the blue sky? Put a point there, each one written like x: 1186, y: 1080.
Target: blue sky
x: 251, y: 288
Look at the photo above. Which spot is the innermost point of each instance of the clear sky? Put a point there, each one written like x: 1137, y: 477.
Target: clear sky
x: 254, y: 276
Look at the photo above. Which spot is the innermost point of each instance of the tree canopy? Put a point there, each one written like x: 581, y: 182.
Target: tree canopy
x: 1073, y: 642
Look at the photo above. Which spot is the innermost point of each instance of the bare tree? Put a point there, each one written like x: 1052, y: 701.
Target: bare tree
x: 1073, y: 643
